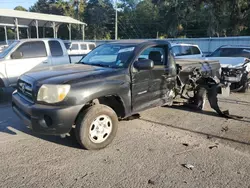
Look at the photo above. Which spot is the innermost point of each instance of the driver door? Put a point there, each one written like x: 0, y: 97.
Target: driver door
x: 152, y: 88
x: 33, y: 55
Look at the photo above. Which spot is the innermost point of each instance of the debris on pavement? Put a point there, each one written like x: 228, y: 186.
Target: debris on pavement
x: 209, y: 136
x: 224, y: 129
x: 188, y: 166
x: 214, y: 146
x: 151, y: 182
x: 185, y: 144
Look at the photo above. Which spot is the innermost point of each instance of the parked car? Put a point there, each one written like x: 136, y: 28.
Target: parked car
x: 114, y: 81
x: 28, y: 55
x: 190, y: 51
x: 235, y: 65
x: 77, y: 50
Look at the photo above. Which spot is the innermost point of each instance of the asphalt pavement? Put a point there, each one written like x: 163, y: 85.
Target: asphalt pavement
x: 166, y: 147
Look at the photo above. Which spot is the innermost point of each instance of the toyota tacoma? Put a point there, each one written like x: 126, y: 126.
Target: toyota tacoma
x: 114, y: 81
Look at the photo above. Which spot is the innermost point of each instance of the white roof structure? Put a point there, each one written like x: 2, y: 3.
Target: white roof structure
x: 10, y: 18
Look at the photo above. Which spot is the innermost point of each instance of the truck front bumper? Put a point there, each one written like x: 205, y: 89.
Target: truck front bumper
x: 45, y: 119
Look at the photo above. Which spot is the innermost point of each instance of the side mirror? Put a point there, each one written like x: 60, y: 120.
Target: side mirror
x: 16, y: 55
x: 144, y: 64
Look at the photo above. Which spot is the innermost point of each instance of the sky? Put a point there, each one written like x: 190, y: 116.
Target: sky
x: 11, y: 4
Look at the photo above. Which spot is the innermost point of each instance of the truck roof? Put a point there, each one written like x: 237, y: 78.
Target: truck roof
x: 139, y: 42
x: 183, y: 44
x: 37, y: 39
x: 235, y: 46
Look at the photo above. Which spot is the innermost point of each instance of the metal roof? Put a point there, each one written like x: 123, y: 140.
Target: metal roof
x: 25, y: 18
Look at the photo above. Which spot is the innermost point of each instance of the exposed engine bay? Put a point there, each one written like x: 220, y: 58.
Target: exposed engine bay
x: 237, y: 76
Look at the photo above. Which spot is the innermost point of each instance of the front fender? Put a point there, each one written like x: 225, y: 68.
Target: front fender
x: 83, y: 94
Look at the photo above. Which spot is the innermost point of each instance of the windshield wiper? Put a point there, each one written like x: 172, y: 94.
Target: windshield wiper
x: 101, y: 65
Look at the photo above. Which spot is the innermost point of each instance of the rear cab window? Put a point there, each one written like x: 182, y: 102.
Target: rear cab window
x: 195, y: 50
x: 156, y: 54
x: 185, y: 50
x: 55, y: 48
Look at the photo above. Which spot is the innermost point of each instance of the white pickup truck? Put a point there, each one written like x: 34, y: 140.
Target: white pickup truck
x: 185, y: 51
x: 30, y: 54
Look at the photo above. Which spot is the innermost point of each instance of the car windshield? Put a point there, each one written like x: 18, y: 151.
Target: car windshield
x: 231, y: 52
x: 8, y: 49
x: 109, y: 55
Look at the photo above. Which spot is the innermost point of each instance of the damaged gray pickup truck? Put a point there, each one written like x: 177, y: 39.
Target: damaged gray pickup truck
x: 113, y: 82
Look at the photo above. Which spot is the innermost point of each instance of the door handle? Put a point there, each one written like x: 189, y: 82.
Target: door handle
x: 45, y: 62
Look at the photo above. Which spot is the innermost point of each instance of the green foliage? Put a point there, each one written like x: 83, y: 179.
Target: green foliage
x: 151, y: 18
x: 20, y: 8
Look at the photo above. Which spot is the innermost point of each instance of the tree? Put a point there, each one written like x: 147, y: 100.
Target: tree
x: 99, y: 15
x: 20, y: 8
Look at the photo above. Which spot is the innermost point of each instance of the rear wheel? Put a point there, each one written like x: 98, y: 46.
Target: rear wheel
x: 96, y: 127
x: 245, y: 86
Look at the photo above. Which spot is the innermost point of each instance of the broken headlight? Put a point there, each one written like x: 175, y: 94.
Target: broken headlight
x: 52, y: 93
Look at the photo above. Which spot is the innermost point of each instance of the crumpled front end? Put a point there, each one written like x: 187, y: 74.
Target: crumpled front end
x: 238, y: 77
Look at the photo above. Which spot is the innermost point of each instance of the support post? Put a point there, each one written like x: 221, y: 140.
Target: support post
x: 6, y: 34
x: 17, y: 29
x: 69, y: 28
x: 83, y: 31
x: 116, y: 21
x: 54, y: 29
x: 28, y: 33
x: 37, y: 31
x: 43, y: 32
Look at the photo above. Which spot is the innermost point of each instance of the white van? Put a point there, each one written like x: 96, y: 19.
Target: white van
x: 77, y: 49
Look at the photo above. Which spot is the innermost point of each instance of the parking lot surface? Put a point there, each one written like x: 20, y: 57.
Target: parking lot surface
x: 148, y: 152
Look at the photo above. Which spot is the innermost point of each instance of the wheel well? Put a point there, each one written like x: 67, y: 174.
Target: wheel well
x: 1, y: 83
x: 113, y: 102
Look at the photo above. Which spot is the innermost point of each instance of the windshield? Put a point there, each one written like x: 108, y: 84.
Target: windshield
x: 8, y: 49
x: 109, y: 55
x: 231, y: 52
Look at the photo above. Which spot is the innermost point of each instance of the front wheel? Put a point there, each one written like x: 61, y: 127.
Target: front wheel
x: 245, y: 86
x: 96, y: 127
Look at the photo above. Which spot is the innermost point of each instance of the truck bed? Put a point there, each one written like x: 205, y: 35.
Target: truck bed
x: 207, y: 68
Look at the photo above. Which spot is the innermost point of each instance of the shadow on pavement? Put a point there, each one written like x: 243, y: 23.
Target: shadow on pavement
x: 10, y: 123
x: 196, y: 132
x: 13, y: 127
x: 204, y: 112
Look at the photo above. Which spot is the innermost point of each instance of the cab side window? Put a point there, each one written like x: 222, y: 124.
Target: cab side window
x: 195, y: 50
x: 55, y: 48
x: 31, y: 50
x: 156, y: 54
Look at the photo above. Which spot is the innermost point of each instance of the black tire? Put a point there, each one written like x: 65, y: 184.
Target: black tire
x: 85, y: 120
x: 245, y: 86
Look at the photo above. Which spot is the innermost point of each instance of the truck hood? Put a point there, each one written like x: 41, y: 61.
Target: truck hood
x: 67, y: 73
